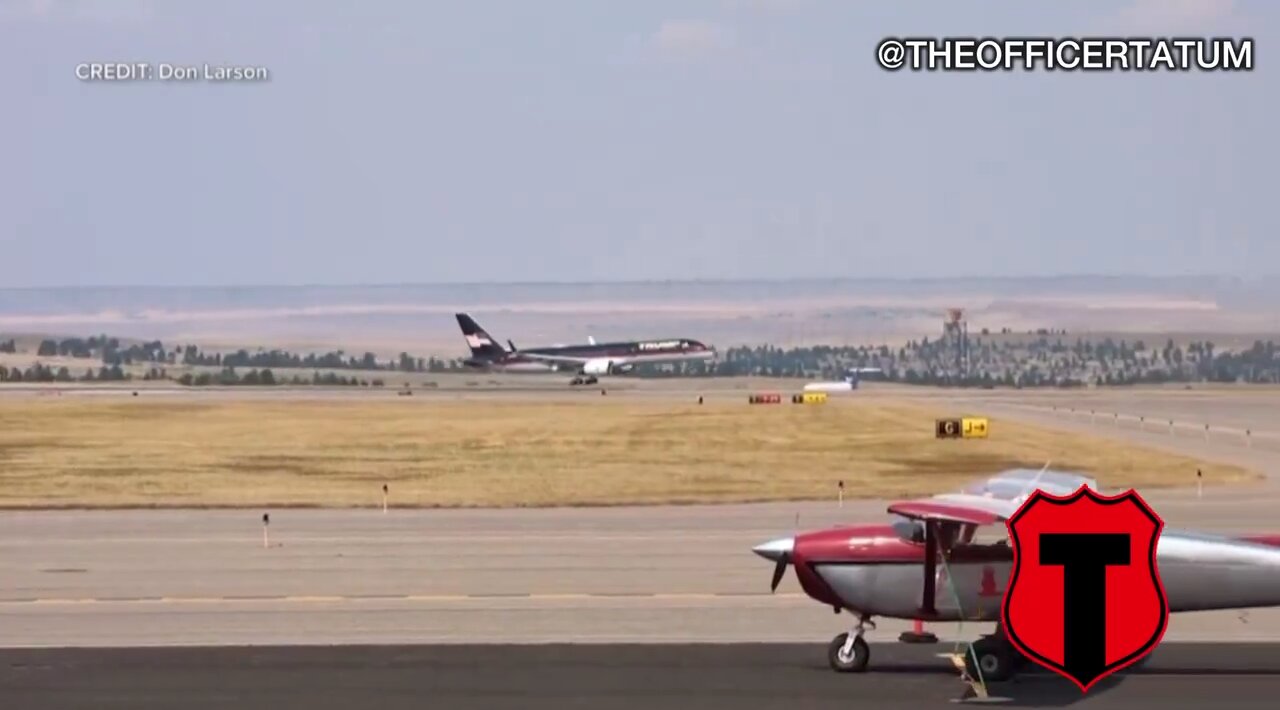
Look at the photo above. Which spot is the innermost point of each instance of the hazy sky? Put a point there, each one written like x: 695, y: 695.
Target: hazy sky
x: 418, y: 141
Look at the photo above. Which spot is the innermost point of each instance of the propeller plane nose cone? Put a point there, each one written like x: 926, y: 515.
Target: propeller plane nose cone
x: 775, y: 549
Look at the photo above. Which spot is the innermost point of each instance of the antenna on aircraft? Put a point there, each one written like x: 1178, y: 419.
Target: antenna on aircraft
x: 1026, y: 490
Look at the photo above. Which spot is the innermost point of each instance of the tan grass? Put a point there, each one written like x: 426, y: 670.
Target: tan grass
x: 93, y: 453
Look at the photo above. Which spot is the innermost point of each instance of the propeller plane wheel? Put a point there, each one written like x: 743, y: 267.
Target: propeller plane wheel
x: 996, y: 661
x: 852, y: 660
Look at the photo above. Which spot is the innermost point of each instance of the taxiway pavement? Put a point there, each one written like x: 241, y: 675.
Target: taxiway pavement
x: 745, y: 677
x: 659, y: 574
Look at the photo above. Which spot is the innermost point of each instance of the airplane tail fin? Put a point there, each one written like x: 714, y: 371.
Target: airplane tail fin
x: 481, y: 343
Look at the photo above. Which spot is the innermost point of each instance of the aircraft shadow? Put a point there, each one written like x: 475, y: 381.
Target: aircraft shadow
x: 1041, y: 688
x: 1037, y: 687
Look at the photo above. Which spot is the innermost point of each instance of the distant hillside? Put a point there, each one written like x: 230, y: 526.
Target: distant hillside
x: 389, y: 318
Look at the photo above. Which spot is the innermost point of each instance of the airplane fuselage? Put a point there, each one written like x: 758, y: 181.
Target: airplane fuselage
x: 610, y: 356
x: 590, y: 359
x: 830, y: 387
x: 873, y: 570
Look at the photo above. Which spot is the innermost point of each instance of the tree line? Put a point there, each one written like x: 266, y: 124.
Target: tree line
x: 40, y: 373
x: 109, y: 351
x: 995, y: 362
x: 985, y: 361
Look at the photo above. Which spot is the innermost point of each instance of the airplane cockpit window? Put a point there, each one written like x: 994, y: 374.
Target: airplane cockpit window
x: 909, y: 530
x: 989, y: 542
x: 981, y: 540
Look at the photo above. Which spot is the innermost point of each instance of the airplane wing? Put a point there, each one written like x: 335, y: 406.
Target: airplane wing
x: 994, y: 499
x: 1020, y: 482
x: 929, y: 510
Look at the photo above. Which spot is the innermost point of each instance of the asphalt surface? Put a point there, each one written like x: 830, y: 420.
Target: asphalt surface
x: 659, y: 574
x: 743, y: 677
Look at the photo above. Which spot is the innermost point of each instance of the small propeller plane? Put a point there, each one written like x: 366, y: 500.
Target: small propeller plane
x: 932, y: 564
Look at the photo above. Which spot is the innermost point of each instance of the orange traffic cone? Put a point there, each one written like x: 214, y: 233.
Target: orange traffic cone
x: 917, y: 634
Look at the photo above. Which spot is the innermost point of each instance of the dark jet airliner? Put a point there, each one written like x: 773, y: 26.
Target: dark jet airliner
x: 587, y: 360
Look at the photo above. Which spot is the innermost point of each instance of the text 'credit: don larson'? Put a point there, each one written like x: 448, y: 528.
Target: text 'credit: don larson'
x: 171, y: 72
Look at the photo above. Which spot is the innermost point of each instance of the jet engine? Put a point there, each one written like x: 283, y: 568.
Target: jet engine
x: 599, y: 366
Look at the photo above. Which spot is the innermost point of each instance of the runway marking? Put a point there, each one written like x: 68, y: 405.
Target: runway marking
x: 254, y: 597
x: 191, y: 600
x: 312, y: 599
x: 560, y: 596
x: 687, y: 596
x: 437, y: 597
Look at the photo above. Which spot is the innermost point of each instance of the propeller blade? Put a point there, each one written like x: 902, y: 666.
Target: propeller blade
x: 778, y: 571
x: 779, y: 552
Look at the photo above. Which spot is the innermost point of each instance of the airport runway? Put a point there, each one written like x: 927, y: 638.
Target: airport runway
x: 744, y: 677
x: 1105, y: 415
x: 661, y: 574
x: 444, y: 580
x: 645, y: 574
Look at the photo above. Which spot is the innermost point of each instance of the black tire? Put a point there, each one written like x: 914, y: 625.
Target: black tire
x: 855, y: 664
x: 996, y: 661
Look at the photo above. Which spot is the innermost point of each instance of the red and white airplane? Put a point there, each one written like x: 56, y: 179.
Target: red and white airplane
x: 933, y: 564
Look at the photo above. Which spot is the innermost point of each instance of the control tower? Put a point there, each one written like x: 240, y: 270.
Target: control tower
x: 955, y: 336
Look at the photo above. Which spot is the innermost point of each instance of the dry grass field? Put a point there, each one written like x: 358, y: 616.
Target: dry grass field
x: 104, y: 453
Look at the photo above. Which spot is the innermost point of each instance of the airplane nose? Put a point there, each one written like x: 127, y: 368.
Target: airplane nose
x: 775, y: 550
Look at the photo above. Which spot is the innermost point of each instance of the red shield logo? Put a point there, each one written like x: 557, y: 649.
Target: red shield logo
x: 1085, y: 598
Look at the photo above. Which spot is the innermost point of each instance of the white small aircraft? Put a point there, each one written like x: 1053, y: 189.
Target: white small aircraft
x: 848, y: 384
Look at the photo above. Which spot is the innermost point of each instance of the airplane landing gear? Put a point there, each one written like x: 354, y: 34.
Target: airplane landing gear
x: 849, y: 653
x: 588, y: 380
x: 993, y: 659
